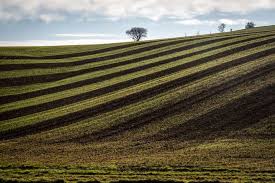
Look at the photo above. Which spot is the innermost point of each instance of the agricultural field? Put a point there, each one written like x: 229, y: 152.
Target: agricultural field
x: 187, y: 109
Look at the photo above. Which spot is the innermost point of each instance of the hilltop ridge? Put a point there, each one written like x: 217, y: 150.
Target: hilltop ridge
x: 170, y: 109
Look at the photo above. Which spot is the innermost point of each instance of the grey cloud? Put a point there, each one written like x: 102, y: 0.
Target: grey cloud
x: 54, y: 10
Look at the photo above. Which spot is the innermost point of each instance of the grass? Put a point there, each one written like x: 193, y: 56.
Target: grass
x: 87, y: 103
x: 61, y: 50
x: 85, y: 76
x: 54, y: 50
x: 121, y: 93
x: 110, y: 61
x: 125, y: 174
x: 80, y: 90
x: 197, y: 109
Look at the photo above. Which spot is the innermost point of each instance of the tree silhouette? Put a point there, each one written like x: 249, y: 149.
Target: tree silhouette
x: 137, y: 33
x: 250, y: 25
x: 221, y: 27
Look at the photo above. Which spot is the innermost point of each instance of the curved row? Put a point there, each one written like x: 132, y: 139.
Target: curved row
x: 101, y: 91
x: 127, y: 100
x: 10, y: 67
x: 112, y: 48
x: 172, y: 109
x: 67, y: 74
x: 238, y: 115
x: 18, y: 81
x: 18, y: 97
x: 98, y: 51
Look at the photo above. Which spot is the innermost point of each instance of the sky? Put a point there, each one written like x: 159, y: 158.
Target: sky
x: 70, y: 22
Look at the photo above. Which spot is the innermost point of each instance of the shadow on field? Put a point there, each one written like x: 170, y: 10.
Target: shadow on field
x: 120, y: 102
x: 178, y: 107
x: 235, y: 116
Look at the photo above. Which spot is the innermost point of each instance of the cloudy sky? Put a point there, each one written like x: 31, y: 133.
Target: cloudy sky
x: 55, y: 22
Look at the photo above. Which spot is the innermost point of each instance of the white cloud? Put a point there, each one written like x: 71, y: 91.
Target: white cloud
x: 234, y: 21
x: 50, y: 17
x: 86, y: 35
x: 196, y: 22
x: 213, y: 22
x: 116, y: 9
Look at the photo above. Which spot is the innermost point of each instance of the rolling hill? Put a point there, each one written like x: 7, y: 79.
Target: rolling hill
x: 192, y: 109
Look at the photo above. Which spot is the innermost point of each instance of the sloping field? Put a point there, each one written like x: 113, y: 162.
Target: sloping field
x: 184, y: 109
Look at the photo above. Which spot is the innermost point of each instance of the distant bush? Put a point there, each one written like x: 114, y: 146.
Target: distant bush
x: 221, y: 27
x: 250, y: 25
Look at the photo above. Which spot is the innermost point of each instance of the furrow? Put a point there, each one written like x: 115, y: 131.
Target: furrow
x: 86, y: 53
x: 10, y: 67
x: 235, y: 116
x: 12, y: 98
x: 174, y: 108
x: 98, y: 92
x: 95, y: 93
x: 99, y: 51
x: 19, y: 81
x: 127, y: 100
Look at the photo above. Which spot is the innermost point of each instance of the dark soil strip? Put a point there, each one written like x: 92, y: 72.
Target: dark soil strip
x: 12, y: 98
x: 113, y: 48
x: 86, y: 53
x: 127, y: 100
x: 172, y: 109
x: 10, y: 67
x: 19, y: 81
x: 64, y: 75
x: 233, y: 117
x: 95, y: 93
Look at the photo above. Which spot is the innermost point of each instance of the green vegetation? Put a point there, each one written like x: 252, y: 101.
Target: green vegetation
x: 195, y: 109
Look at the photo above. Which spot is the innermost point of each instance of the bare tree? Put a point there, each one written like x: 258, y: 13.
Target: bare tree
x: 250, y: 25
x: 221, y: 27
x: 137, y: 33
